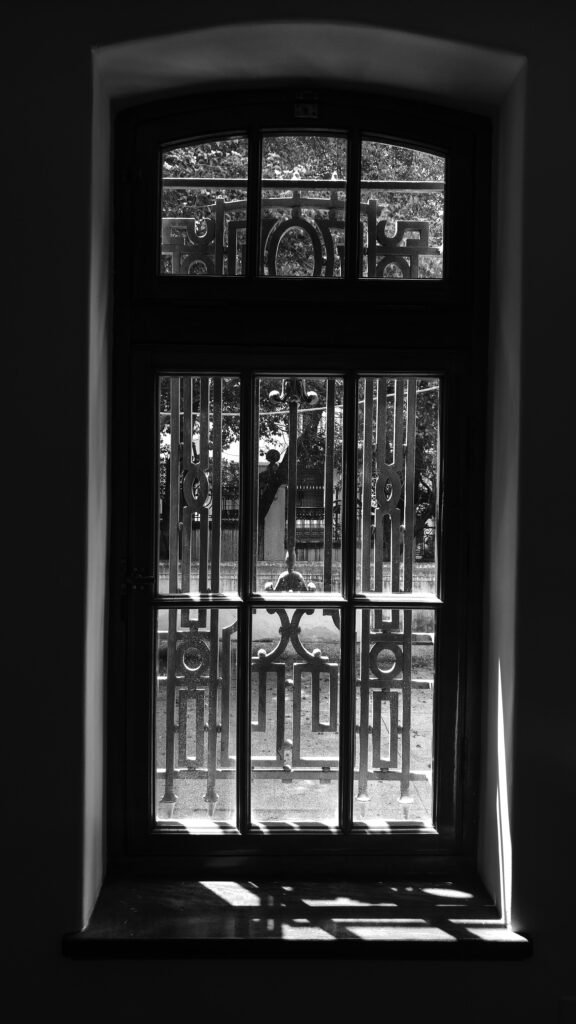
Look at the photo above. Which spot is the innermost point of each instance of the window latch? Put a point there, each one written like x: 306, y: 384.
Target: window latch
x: 137, y: 580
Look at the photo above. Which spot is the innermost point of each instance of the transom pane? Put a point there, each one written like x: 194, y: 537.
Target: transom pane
x: 401, y: 212
x: 204, y: 192
x: 303, y: 206
x: 302, y: 211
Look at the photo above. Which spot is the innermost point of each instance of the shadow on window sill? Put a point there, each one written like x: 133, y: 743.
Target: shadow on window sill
x: 148, y: 918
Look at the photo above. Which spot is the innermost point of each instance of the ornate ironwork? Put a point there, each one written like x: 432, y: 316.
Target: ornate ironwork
x: 292, y: 678
x: 214, y: 243
x: 294, y: 395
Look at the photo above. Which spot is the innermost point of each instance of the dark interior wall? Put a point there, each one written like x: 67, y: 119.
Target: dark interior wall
x: 47, y: 92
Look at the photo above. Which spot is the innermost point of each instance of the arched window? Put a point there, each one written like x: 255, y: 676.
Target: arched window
x: 300, y: 346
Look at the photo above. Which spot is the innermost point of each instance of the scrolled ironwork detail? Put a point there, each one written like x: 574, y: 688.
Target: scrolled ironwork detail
x: 196, y: 488
x: 388, y: 489
x: 303, y: 224
x: 294, y: 391
x: 193, y: 656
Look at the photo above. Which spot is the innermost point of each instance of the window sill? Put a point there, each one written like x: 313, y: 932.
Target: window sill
x: 152, y: 919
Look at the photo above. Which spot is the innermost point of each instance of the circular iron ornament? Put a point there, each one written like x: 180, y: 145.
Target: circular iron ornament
x: 193, y: 656
x: 276, y: 235
x: 386, y: 674
x: 388, y: 489
x: 195, y: 480
x: 396, y: 261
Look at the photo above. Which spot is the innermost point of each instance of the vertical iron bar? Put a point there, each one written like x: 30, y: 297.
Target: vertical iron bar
x: 292, y: 493
x: 329, y: 485
x: 253, y: 471
x: 216, y: 485
x: 352, y: 254
x: 364, y: 706
x: 204, y: 523
x: 397, y: 452
x: 367, y: 482
x: 219, y: 236
x: 409, y: 481
x: 253, y: 194
x: 347, y: 624
x: 246, y: 554
x: 347, y: 712
x: 406, y: 703
x: 169, y: 795
x: 380, y: 470
x: 187, y: 514
x: 212, y: 796
x: 372, y: 222
x: 173, y: 532
x: 182, y: 726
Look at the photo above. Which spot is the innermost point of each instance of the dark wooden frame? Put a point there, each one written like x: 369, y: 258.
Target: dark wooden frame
x: 432, y: 328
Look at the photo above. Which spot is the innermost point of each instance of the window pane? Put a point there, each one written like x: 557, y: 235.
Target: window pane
x: 294, y: 712
x: 303, y: 206
x: 204, y: 208
x: 299, y: 477
x: 401, y: 211
x: 397, y: 485
x: 195, y: 716
x: 394, y: 715
x: 199, y: 484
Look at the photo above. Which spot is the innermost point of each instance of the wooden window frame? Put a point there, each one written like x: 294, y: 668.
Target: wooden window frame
x: 432, y: 328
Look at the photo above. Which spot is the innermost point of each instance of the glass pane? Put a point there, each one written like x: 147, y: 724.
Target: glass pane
x: 303, y: 206
x: 199, y: 484
x: 397, y: 485
x: 299, y: 479
x: 294, y: 712
x: 401, y: 212
x: 195, y: 716
x: 204, y: 192
x: 394, y: 715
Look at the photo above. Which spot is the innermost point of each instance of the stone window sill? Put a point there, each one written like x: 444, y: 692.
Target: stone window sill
x: 389, y: 920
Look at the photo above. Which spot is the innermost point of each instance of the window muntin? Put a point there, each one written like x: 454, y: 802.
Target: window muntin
x: 303, y: 197
x: 402, y: 211
x: 303, y: 214
x: 302, y: 650
x: 397, y: 484
x: 300, y: 460
x: 204, y: 194
x: 394, y: 702
x: 195, y: 715
x: 198, y: 484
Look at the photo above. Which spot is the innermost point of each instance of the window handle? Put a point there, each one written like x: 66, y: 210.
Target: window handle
x: 137, y: 580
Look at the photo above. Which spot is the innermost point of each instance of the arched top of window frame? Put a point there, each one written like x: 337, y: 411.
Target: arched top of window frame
x: 303, y: 197
x: 220, y: 188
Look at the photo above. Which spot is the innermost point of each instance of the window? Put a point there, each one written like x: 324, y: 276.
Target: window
x: 299, y: 373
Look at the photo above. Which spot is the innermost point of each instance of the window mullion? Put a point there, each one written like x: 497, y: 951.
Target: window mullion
x: 253, y: 206
x: 352, y: 261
